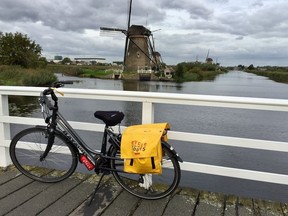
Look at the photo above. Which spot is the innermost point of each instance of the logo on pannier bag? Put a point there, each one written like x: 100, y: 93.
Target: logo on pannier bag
x: 138, y: 147
x: 141, y: 148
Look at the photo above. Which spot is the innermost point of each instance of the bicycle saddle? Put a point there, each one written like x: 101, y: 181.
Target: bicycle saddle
x: 110, y: 118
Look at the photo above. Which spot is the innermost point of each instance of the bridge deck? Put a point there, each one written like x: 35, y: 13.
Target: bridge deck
x: 20, y: 195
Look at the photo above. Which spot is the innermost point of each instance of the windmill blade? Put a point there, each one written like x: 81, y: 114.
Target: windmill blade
x: 152, y: 37
x: 112, y: 32
x: 127, y: 36
x: 153, y: 43
x: 112, y: 29
x: 125, y: 50
x: 129, y: 14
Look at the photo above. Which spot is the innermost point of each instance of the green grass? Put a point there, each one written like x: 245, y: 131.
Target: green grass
x: 198, y: 75
x: 16, y: 75
x: 277, y: 76
x: 92, y: 73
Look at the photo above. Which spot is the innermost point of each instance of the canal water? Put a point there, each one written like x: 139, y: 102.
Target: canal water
x: 255, y: 124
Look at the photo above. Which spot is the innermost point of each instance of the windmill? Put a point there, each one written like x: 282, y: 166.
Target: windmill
x: 208, y: 59
x: 139, y: 51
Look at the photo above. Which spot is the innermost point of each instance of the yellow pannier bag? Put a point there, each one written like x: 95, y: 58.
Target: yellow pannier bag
x: 141, y: 148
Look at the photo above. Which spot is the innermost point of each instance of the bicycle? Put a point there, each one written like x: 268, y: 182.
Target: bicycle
x: 51, y: 153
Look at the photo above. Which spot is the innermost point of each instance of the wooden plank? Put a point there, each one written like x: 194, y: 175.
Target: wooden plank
x: 125, y: 204
x: 76, y: 196
x: 180, y: 205
x: 284, y: 207
x: 268, y: 208
x: 230, y: 206
x: 46, y: 198
x: 19, y: 197
x: 14, y: 185
x: 103, y: 198
x: 151, y: 207
x: 8, y: 174
x: 210, y: 204
x: 244, y: 207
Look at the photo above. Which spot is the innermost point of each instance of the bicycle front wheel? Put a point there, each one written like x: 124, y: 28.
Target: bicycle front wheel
x: 159, y: 186
x: 27, y: 148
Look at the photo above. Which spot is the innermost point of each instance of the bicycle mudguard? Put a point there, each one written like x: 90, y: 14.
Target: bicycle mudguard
x: 173, y: 150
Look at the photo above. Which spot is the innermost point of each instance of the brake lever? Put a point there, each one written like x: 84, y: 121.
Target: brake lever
x: 61, y: 93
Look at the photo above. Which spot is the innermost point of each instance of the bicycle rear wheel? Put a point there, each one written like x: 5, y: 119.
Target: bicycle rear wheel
x: 162, y: 185
x: 27, y: 147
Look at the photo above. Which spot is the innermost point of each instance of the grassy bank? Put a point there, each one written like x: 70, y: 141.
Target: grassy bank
x: 91, y: 71
x: 196, y: 71
x: 200, y: 76
x: 275, y: 73
x: 15, y: 75
x: 18, y: 76
x: 191, y: 72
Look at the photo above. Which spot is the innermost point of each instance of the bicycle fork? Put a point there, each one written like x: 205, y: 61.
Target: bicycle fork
x: 51, y: 139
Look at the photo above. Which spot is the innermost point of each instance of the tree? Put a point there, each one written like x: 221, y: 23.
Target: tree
x: 66, y: 60
x: 241, y: 67
x: 251, y: 67
x: 180, y: 70
x: 19, y: 49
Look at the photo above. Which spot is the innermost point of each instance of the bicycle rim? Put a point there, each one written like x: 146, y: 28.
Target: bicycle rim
x: 27, y: 147
x: 162, y: 185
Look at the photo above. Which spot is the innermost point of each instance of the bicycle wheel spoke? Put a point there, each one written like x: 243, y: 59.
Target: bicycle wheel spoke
x: 26, y: 152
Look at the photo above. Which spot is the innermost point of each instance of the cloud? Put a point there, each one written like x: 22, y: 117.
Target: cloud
x: 239, y: 38
x: 64, y: 15
x: 231, y: 30
x: 197, y: 9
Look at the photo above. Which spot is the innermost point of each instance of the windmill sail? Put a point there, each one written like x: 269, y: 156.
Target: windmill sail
x: 105, y: 31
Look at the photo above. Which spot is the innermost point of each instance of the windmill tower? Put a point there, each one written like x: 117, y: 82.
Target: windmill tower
x: 139, y: 50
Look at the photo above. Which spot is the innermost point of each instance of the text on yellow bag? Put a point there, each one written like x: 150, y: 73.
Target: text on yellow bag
x: 141, y: 148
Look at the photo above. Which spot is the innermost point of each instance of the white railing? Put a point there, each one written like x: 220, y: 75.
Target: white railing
x: 148, y: 101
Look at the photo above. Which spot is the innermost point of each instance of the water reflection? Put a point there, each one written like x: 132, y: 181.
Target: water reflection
x: 22, y: 105
x: 153, y: 86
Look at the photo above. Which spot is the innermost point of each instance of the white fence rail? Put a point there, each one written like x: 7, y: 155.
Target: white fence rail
x: 148, y: 101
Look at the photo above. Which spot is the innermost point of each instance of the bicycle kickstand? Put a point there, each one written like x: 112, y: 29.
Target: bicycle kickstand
x: 96, y: 189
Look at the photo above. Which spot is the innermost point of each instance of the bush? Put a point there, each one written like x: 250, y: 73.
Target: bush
x: 196, y: 71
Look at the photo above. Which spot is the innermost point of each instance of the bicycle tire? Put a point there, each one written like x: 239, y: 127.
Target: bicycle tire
x: 163, y: 184
x: 28, y: 145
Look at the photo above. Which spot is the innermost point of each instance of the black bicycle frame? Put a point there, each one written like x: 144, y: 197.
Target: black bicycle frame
x: 66, y: 129
x: 80, y: 144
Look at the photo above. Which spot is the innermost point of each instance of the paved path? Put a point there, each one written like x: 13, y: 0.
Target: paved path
x: 20, y: 195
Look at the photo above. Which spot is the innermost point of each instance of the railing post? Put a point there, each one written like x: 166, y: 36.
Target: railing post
x: 147, y: 113
x: 4, y: 132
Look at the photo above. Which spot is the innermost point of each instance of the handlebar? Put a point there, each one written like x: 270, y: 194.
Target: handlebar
x: 50, y: 91
x: 59, y: 84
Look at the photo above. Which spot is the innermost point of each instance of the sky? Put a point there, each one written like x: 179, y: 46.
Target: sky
x: 233, y: 32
